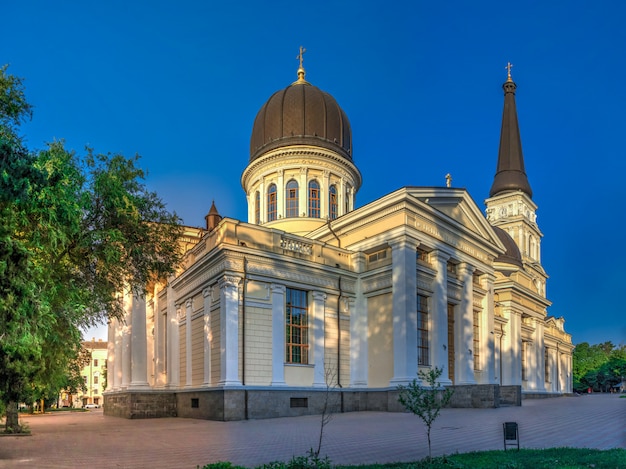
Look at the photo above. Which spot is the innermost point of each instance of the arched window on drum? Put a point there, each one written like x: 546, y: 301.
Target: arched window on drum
x: 314, y: 199
x: 271, y: 203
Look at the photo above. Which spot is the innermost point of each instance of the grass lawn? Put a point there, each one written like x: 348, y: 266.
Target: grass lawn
x: 571, y: 458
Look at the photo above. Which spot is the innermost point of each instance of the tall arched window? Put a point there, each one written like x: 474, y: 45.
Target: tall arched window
x: 332, y: 202
x: 291, y: 199
x: 314, y: 199
x: 257, y: 207
x: 271, y: 203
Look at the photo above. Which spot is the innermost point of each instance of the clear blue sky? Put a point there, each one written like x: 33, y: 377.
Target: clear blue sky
x: 180, y: 84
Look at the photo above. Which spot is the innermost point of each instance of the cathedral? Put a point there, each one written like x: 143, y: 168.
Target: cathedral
x: 314, y: 297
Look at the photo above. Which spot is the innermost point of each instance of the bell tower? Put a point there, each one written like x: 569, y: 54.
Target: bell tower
x: 510, y: 205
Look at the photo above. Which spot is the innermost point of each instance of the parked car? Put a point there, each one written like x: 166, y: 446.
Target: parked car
x: 91, y: 406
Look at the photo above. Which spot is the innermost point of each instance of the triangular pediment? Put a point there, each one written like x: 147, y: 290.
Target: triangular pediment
x: 457, y: 205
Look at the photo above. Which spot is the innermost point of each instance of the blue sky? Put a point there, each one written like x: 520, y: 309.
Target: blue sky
x: 180, y: 84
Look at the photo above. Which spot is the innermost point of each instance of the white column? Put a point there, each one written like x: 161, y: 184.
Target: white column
x: 188, y: 351
x: 207, y: 336
x: 229, y: 325
x: 317, y: 311
x: 464, y: 328
x: 488, y: 336
x: 280, y: 195
x: 341, y: 197
x: 359, y: 330
x: 139, y: 369
x: 512, y: 348
x: 278, y: 334
x: 119, y: 333
x: 539, y: 375
x: 263, y: 204
x: 303, y: 198
x: 173, y: 351
x: 126, y: 340
x: 404, y: 310
x: 111, y: 357
x: 439, y: 321
x: 325, y: 195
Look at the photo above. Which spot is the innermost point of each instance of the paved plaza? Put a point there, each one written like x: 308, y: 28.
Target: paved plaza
x: 92, y: 440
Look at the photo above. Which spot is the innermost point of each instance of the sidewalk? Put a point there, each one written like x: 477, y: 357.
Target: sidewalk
x: 86, y: 440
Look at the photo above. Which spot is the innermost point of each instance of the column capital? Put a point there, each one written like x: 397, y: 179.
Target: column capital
x: 188, y: 303
x: 403, y: 242
x: 229, y: 281
x: 278, y: 288
x: 206, y: 292
x: 466, y: 268
x: 439, y: 255
x: 319, y: 296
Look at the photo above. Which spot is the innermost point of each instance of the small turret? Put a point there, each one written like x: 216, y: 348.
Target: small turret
x: 212, y: 218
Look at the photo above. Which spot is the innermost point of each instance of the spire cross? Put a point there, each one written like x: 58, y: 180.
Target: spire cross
x: 448, y: 180
x: 300, y: 56
x: 508, y: 67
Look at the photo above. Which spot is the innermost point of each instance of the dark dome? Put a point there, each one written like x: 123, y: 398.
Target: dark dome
x: 301, y: 114
x: 512, y: 254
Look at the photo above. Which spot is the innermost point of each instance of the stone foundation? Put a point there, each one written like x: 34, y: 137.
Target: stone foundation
x: 259, y: 403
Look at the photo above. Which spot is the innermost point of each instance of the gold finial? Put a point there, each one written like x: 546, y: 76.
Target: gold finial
x: 448, y: 180
x: 508, y: 67
x: 301, y: 71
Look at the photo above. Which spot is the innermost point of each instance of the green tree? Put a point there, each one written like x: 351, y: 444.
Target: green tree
x: 74, y: 231
x: 425, y: 401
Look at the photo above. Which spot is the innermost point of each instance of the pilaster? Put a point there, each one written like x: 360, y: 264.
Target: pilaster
x: 464, y: 333
x: 317, y: 310
x: 358, y: 330
x: 188, y: 351
x: 207, y: 337
x: 404, y: 310
x: 439, y: 322
x: 278, y: 334
x: 229, y: 320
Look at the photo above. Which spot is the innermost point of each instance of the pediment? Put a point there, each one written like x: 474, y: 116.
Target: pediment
x: 457, y: 205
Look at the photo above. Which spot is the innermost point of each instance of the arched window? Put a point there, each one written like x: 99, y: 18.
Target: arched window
x: 291, y: 199
x: 332, y: 202
x: 314, y: 199
x: 257, y: 207
x: 271, y: 203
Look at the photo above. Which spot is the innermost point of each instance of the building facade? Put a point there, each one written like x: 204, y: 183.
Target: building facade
x: 313, y: 296
x: 94, y: 375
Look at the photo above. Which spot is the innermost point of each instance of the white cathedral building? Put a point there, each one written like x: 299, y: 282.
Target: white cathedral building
x: 313, y: 295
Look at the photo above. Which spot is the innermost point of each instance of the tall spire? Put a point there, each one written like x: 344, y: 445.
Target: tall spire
x: 510, y: 173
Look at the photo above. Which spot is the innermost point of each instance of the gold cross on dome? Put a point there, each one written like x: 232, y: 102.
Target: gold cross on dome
x: 300, y: 56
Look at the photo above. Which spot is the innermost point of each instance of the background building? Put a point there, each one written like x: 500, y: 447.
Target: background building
x: 313, y: 293
x: 94, y: 375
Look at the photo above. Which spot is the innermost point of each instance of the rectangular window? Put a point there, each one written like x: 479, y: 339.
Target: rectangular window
x: 297, y: 327
x: 95, y: 362
x: 95, y: 380
x: 423, y: 356
x: 476, y: 350
x: 85, y: 378
x: 377, y: 256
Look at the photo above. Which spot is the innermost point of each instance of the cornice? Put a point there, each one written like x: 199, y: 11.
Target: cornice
x: 297, y: 156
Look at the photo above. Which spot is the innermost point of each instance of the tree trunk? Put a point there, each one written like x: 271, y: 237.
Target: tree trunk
x: 12, y: 423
